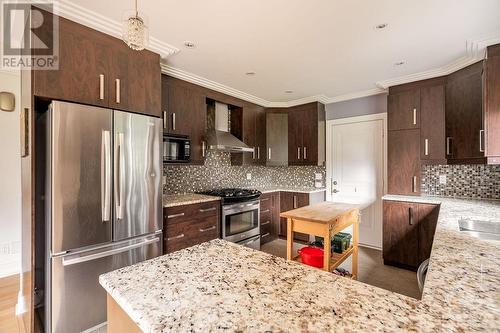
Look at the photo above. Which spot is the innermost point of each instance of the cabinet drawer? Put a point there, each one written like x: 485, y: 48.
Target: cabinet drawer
x: 183, y: 213
x: 266, y: 237
x: 191, y: 232
x: 266, y: 226
x: 265, y: 202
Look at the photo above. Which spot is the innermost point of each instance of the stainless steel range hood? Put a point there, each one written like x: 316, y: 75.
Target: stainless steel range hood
x: 218, y: 136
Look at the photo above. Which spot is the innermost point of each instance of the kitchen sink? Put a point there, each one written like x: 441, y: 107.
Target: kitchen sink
x: 486, y: 230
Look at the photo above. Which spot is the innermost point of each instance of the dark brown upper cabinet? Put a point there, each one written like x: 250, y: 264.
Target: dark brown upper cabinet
x: 464, y: 115
x: 492, y: 105
x: 403, y: 162
x: 432, y: 124
x: 98, y: 69
x: 403, y: 110
x: 249, y: 125
x: 306, y: 134
x: 185, y: 113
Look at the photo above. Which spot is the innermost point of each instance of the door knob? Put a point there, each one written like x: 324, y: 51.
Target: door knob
x: 335, y: 190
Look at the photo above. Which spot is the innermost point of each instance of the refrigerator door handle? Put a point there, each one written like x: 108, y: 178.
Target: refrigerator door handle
x: 105, y: 175
x: 118, y: 176
x: 79, y: 259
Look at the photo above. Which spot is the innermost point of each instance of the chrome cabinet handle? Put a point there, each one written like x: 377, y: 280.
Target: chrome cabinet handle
x: 207, y: 229
x: 448, y: 145
x: 410, y: 215
x: 175, y: 215
x: 265, y: 223
x: 481, y: 136
x: 298, y: 153
x: 305, y: 153
x: 414, y: 116
x: 173, y: 121
x: 269, y: 153
x: 426, y: 147
x: 105, y: 175
x: 204, y: 210
x: 414, y: 184
x: 294, y: 201
x: 203, y: 148
x: 175, y: 237
x: 264, y: 199
x: 265, y: 211
x: 265, y: 235
x: 117, y: 91
x: 118, y: 176
x: 258, y: 153
x: 165, y: 119
x: 101, y: 86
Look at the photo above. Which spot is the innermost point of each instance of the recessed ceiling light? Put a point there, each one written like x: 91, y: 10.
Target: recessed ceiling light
x: 189, y: 44
x: 399, y: 63
x: 381, y: 26
x: 250, y: 73
x: 288, y: 91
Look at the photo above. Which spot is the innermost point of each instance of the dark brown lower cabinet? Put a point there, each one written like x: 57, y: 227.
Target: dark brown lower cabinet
x: 408, y: 232
x: 269, y: 216
x: 188, y: 225
x: 289, y: 201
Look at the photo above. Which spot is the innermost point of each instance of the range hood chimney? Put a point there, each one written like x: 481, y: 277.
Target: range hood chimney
x: 218, y: 136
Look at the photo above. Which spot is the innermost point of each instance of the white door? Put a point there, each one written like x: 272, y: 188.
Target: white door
x: 356, y: 170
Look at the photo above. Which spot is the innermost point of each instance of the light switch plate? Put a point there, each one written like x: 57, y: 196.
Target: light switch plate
x: 249, y: 176
x: 442, y: 179
x: 318, y: 176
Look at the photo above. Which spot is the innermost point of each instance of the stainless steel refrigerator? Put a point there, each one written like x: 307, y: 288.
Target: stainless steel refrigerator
x: 103, y: 204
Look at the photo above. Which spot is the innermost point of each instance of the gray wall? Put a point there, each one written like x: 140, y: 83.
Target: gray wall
x: 357, y: 107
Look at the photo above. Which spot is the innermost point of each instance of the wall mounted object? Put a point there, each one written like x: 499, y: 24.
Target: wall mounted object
x: 7, y: 101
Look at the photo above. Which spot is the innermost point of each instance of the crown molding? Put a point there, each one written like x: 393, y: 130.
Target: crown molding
x: 104, y: 24
x: 475, y: 51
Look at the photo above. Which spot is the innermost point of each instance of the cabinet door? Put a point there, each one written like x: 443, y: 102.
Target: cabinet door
x: 249, y: 123
x: 260, y: 136
x: 427, y: 221
x: 84, y: 57
x: 492, y: 107
x: 403, y: 162
x: 135, y: 80
x: 400, y: 239
x: 295, y: 137
x: 289, y: 201
x: 432, y: 127
x: 464, y: 114
x: 403, y: 110
x: 310, y: 135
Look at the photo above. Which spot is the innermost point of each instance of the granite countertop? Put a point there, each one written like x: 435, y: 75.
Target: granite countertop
x: 299, y: 189
x: 186, y: 199
x: 221, y: 286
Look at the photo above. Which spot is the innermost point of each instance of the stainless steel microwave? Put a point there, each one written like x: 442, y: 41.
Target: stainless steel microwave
x: 176, y: 149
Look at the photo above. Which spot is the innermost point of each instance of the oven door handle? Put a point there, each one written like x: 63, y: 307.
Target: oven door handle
x: 240, y: 210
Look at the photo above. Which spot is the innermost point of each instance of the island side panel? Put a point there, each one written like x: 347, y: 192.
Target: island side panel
x: 118, y: 320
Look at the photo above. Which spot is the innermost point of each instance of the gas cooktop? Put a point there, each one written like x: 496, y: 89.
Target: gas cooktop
x: 230, y: 195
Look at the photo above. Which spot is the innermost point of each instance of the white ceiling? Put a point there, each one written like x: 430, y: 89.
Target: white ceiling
x: 320, y: 49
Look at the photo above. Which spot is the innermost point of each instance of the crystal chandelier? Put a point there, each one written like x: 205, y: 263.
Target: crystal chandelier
x: 135, y: 30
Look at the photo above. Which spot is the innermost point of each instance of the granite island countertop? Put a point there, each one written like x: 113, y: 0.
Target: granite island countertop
x: 221, y: 286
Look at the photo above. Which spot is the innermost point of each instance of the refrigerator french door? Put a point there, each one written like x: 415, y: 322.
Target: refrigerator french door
x: 103, y: 200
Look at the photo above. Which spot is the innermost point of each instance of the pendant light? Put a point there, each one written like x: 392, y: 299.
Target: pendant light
x: 135, y: 30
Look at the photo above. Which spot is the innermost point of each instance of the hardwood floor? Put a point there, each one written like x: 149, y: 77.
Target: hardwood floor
x: 9, y: 288
x: 371, y: 269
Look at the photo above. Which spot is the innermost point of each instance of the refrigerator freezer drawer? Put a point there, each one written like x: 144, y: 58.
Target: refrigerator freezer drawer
x: 77, y: 300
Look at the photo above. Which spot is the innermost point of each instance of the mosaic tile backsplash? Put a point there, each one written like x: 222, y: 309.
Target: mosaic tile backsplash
x: 465, y: 181
x: 218, y: 172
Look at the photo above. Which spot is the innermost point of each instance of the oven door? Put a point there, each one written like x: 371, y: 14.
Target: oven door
x: 240, y: 221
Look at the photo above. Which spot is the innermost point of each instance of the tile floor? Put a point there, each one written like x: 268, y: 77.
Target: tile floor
x: 371, y: 269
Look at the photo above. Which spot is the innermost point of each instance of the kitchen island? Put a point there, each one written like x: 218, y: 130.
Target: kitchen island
x: 220, y: 286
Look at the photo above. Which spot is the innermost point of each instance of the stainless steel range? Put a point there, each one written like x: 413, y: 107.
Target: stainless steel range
x: 240, y: 222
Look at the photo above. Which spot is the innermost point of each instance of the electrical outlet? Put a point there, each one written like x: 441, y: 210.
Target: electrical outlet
x: 249, y: 176
x: 442, y: 179
x: 318, y: 176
